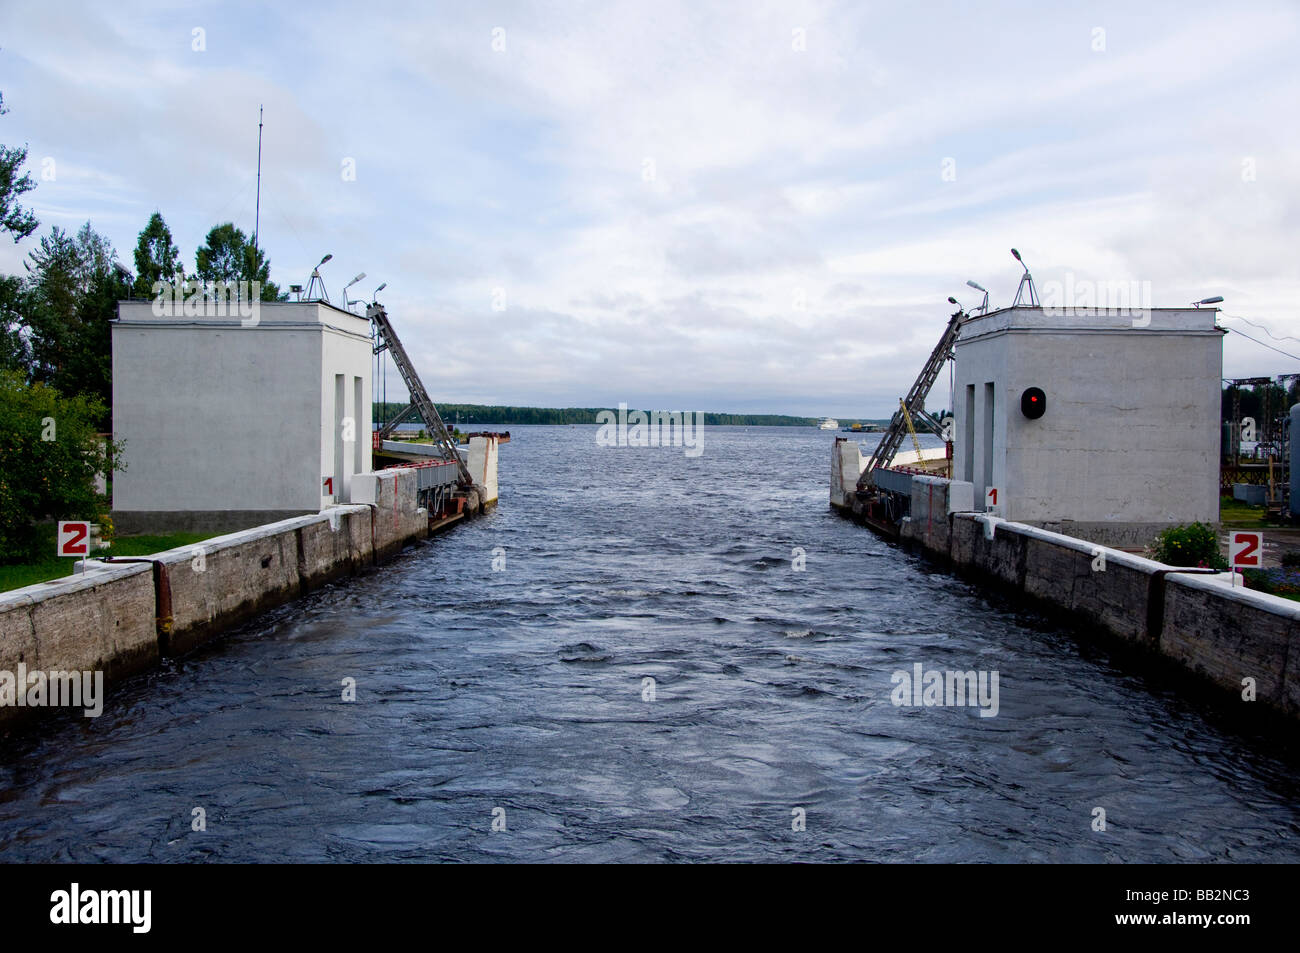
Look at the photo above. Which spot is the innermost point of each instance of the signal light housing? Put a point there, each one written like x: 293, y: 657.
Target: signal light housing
x: 1033, y: 403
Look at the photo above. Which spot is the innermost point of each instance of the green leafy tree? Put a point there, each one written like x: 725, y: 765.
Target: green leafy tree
x: 49, y: 456
x: 156, y: 257
x: 221, y: 256
x: 227, y: 255
x: 15, y: 219
x: 15, y: 354
x: 73, y: 286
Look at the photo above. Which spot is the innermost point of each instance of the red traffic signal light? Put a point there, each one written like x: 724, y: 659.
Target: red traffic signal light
x: 1033, y: 402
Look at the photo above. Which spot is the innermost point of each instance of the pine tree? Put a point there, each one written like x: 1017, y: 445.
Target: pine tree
x: 156, y: 258
x: 15, y: 219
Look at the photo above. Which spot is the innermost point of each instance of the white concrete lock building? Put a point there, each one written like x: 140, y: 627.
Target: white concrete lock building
x: 231, y: 421
x: 1128, y: 442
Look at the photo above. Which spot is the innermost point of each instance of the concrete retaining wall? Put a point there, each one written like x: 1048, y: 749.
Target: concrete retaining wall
x: 110, y: 620
x: 933, y: 500
x: 224, y: 581
x: 100, y: 621
x: 1222, y: 633
x: 1229, y: 635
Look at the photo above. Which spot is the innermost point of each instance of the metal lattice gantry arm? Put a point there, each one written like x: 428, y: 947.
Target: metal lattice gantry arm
x: 420, y: 400
x: 929, y: 420
x: 907, y: 418
x: 410, y: 412
x: 914, y: 403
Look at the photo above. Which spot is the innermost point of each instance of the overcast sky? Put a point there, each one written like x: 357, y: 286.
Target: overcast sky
x: 747, y: 206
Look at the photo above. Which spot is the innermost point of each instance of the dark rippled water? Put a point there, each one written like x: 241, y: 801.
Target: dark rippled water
x: 522, y: 690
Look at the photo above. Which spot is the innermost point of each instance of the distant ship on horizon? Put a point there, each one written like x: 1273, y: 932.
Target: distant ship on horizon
x: 830, y: 423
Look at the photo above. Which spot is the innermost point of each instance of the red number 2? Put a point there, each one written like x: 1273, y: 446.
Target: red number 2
x: 72, y: 544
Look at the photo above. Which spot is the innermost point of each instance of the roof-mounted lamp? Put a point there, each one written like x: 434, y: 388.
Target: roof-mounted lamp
x: 1026, y: 281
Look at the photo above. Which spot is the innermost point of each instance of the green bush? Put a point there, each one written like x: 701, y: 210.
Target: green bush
x: 49, y: 456
x: 1194, y: 545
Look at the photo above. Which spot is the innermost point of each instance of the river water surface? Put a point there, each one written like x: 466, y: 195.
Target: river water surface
x: 521, y: 695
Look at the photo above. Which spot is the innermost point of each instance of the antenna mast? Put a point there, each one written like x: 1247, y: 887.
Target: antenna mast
x: 257, y: 212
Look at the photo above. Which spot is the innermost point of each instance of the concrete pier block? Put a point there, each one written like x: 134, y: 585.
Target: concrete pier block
x: 961, y: 496
x: 482, y: 465
x: 365, y: 488
x: 846, y: 467
x: 398, y: 516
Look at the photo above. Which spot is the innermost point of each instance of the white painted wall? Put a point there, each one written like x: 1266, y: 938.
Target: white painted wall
x: 342, y: 355
x: 1131, y: 432
x: 219, y: 416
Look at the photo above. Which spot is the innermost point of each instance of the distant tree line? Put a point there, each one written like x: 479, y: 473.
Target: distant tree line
x: 506, y: 415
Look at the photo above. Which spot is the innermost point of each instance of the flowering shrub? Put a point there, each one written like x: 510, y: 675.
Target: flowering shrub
x: 1280, y: 581
x: 1194, y: 545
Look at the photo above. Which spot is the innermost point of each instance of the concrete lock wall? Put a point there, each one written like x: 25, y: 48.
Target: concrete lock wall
x: 114, y: 618
x: 933, y: 499
x: 1199, y: 621
x: 221, y: 582
x: 100, y: 621
x: 1229, y: 635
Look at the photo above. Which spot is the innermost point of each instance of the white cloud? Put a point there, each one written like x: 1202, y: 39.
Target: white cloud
x: 780, y: 177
